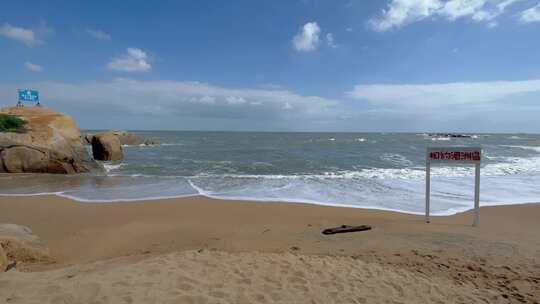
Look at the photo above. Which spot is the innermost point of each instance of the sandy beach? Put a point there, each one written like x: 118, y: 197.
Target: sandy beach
x: 200, y: 250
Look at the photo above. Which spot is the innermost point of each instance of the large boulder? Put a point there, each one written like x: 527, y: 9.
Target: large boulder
x: 20, y: 245
x: 49, y: 143
x: 106, y: 146
x: 3, y: 259
x: 125, y: 137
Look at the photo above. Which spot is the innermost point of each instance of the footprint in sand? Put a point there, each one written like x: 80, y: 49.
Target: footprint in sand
x: 185, y: 287
x: 219, y: 294
x: 63, y: 299
x: 192, y: 300
x: 87, y: 293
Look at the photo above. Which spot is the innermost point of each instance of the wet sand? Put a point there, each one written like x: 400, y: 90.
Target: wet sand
x: 218, y: 251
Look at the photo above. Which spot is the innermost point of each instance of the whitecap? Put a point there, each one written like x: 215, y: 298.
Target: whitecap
x: 111, y: 167
x: 533, y: 148
x: 396, y: 159
x: 440, y: 138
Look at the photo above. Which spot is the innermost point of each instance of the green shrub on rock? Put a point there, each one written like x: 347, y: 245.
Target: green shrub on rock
x: 10, y: 123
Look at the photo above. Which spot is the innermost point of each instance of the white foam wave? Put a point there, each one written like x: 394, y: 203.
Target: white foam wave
x: 121, y: 200
x: 450, y: 195
x: 396, y: 159
x: 533, y: 148
x: 111, y: 167
x: 440, y: 138
x: 30, y: 194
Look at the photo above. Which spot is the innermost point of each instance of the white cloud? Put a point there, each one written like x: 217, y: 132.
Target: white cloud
x: 135, y: 60
x: 33, y: 67
x: 181, y: 98
x: 98, y: 34
x: 271, y: 86
x: 455, y: 9
x: 161, y: 104
x: 530, y: 15
x: 402, y: 12
x: 26, y: 36
x: 235, y: 100
x: 287, y: 106
x: 207, y: 99
x: 439, y: 95
x: 330, y: 40
x: 307, y: 39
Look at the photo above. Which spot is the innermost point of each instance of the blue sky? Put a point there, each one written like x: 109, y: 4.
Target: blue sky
x: 311, y: 65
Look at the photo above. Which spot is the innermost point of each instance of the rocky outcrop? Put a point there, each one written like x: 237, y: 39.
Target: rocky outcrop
x: 107, y: 147
x: 49, y: 143
x: 20, y: 245
x: 125, y: 137
x: 3, y: 259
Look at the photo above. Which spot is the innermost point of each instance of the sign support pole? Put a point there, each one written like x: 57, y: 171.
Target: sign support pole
x: 455, y: 156
x: 428, y: 188
x: 476, y: 195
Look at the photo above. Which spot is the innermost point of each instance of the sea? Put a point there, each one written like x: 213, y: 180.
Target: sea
x: 363, y: 170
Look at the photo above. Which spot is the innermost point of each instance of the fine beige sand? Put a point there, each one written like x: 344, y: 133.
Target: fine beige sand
x: 199, y: 250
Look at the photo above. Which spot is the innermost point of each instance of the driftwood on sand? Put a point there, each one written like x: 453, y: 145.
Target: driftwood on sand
x: 345, y: 229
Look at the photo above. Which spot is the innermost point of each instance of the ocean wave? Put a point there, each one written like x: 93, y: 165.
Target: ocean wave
x: 533, y: 148
x: 450, y: 194
x: 141, y: 146
x: 440, y: 138
x: 504, y: 166
x: 112, y: 166
x: 143, y: 197
x: 396, y: 159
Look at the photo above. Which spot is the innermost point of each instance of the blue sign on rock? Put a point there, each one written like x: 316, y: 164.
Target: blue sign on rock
x: 28, y: 95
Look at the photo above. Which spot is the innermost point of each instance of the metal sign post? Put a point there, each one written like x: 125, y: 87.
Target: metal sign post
x: 455, y: 156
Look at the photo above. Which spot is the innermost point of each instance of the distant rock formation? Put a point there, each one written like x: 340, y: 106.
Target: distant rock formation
x: 106, y: 146
x: 125, y: 137
x: 49, y: 143
x: 452, y: 135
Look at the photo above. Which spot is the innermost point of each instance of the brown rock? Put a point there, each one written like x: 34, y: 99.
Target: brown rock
x: 20, y: 159
x: 106, y: 146
x: 125, y: 137
x: 88, y: 139
x: 3, y: 259
x: 49, y: 143
x: 21, y: 245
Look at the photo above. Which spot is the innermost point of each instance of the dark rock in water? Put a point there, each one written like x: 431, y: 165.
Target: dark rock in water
x: 125, y: 137
x: 453, y: 135
x: 49, y: 143
x: 106, y: 146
